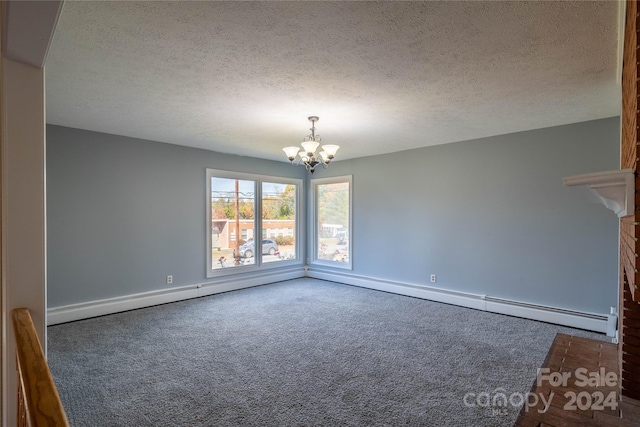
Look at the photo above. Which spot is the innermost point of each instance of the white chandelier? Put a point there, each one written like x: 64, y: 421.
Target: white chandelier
x: 307, y: 156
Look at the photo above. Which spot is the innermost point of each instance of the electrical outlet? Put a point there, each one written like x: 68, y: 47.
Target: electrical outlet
x: 434, y: 278
x: 169, y: 280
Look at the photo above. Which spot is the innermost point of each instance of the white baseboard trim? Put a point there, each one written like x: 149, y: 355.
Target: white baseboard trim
x: 85, y: 310
x: 589, y: 321
x: 575, y: 319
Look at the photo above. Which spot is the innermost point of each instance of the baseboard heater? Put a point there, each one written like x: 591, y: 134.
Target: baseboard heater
x: 546, y: 308
x: 602, y: 323
x: 610, y: 319
x: 101, y: 307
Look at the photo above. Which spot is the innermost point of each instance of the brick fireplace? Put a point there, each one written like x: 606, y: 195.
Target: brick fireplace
x: 629, y: 320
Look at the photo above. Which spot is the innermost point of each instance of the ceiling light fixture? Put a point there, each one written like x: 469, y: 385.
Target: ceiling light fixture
x: 307, y: 156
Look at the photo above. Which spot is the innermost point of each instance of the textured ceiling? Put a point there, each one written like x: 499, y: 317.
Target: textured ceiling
x: 242, y: 77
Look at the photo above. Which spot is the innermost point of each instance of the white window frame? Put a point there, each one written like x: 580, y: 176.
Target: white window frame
x: 313, y: 236
x: 257, y: 227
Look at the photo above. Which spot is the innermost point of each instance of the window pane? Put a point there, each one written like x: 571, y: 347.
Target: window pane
x: 241, y: 232
x: 278, y: 214
x: 232, y: 208
x: 332, y: 213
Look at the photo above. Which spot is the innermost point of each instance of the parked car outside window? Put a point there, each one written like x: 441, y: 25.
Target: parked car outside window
x: 269, y: 247
x: 343, y: 237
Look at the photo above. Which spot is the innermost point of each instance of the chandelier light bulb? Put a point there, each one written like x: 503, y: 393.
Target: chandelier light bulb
x: 291, y: 152
x: 310, y: 146
x: 330, y: 150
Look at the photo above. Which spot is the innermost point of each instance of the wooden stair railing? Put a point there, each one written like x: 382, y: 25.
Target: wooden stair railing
x: 38, y: 400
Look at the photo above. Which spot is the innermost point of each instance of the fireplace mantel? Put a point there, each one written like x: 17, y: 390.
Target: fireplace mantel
x: 615, y: 189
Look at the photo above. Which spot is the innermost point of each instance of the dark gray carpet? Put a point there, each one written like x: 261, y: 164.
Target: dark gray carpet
x: 297, y: 353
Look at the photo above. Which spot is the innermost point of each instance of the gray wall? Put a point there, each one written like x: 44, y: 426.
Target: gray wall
x: 492, y: 216
x: 123, y: 213
x: 489, y: 216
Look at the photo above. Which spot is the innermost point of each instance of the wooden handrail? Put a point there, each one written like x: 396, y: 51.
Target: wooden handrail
x: 38, y: 400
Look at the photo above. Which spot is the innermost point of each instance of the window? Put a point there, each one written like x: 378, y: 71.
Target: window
x: 234, y: 211
x: 278, y: 211
x: 332, y: 221
x: 232, y: 206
